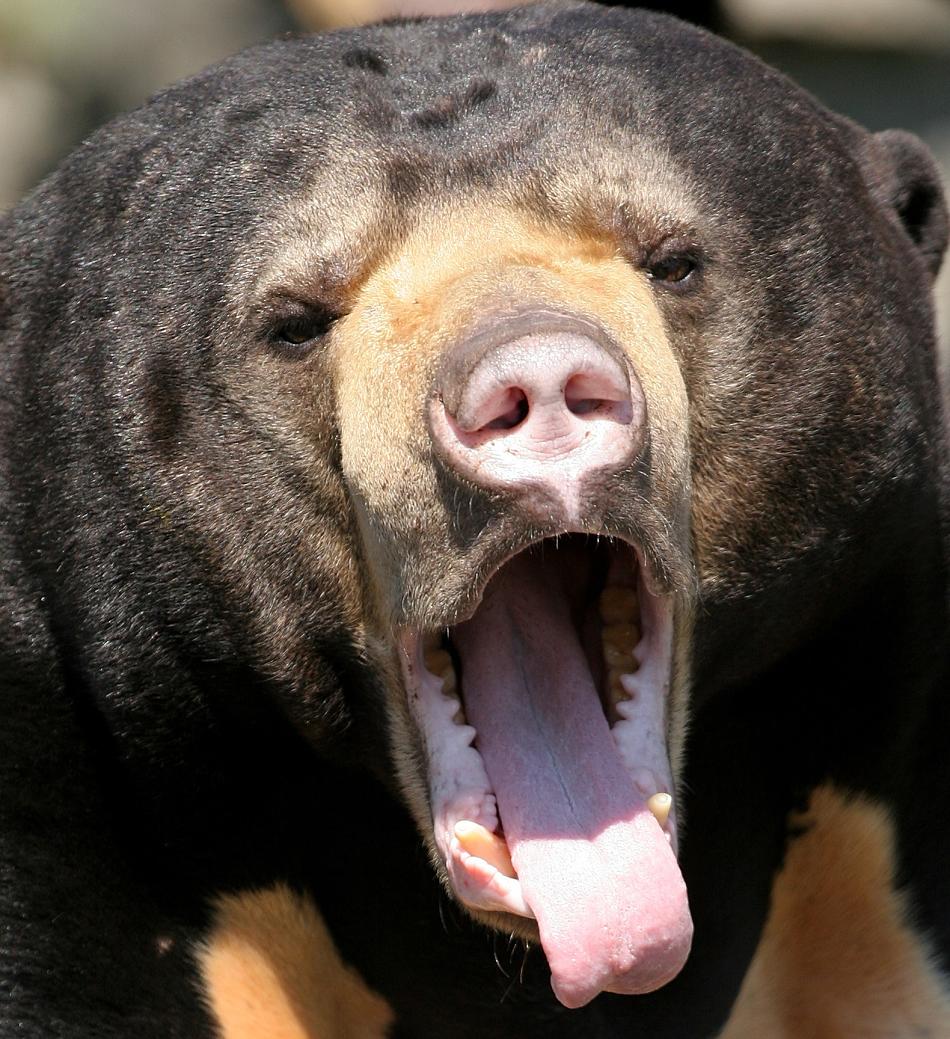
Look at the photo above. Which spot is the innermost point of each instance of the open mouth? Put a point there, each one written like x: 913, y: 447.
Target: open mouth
x: 544, y: 720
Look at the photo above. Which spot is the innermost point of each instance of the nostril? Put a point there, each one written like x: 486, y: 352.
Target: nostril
x: 515, y: 410
x: 536, y: 400
x: 544, y: 384
x: 585, y: 394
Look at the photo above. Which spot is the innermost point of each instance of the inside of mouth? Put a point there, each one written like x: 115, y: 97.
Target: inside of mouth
x: 544, y: 721
x: 598, y: 579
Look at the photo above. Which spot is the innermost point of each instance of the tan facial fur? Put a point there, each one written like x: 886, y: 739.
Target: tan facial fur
x: 270, y: 971
x: 839, y: 958
x: 457, y: 266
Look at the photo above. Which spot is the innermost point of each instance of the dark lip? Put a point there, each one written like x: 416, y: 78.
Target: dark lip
x: 469, y: 605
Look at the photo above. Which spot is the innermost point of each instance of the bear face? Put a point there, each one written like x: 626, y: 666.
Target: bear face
x: 484, y: 392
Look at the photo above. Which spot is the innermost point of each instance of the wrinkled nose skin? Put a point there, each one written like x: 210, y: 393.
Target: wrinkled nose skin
x: 539, y: 401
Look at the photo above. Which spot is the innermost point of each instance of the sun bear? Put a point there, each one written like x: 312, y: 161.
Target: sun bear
x: 473, y: 513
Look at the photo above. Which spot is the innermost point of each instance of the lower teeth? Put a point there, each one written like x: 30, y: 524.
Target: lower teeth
x: 477, y: 840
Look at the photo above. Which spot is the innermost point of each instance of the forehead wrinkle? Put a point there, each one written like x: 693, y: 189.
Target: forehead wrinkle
x: 350, y: 222
x: 635, y: 177
x: 328, y: 240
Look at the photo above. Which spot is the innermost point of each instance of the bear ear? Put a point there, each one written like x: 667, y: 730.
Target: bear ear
x: 903, y: 176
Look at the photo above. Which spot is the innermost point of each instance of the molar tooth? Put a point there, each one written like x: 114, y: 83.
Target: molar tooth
x: 618, y: 604
x: 619, y: 659
x: 477, y: 840
x: 623, y: 636
x: 659, y: 805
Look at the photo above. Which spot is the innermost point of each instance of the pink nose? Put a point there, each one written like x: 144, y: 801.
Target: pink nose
x: 541, y: 390
x: 547, y: 407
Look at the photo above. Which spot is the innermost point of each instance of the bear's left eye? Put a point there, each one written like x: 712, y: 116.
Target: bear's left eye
x: 301, y: 327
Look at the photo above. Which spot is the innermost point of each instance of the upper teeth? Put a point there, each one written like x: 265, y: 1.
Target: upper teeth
x: 438, y: 662
x: 621, y: 634
x: 618, y: 604
x: 618, y: 607
x: 619, y: 612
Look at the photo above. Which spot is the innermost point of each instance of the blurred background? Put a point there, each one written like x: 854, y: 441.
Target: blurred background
x: 68, y: 65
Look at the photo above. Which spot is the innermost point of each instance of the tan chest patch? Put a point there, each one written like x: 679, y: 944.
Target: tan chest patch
x: 270, y: 971
x: 839, y: 958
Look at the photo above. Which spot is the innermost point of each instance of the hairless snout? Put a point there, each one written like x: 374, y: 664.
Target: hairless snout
x: 536, y: 398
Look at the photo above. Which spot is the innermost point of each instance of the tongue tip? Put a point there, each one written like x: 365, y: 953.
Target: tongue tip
x: 573, y: 997
x: 576, y: 986
x: 574, y: 994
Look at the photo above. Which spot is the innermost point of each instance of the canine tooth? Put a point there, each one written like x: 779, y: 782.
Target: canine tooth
x: 618, y: 604
x: 659, y: 805
x: 484, y: 844
x: 623, y: 636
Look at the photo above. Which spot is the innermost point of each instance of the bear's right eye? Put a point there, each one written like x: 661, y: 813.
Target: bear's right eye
x: 672, y: 269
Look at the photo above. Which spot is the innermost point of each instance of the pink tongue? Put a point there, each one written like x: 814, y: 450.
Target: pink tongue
x: 595, y: 866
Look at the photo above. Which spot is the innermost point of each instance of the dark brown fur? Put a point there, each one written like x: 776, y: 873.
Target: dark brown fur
x: 211, y: 536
